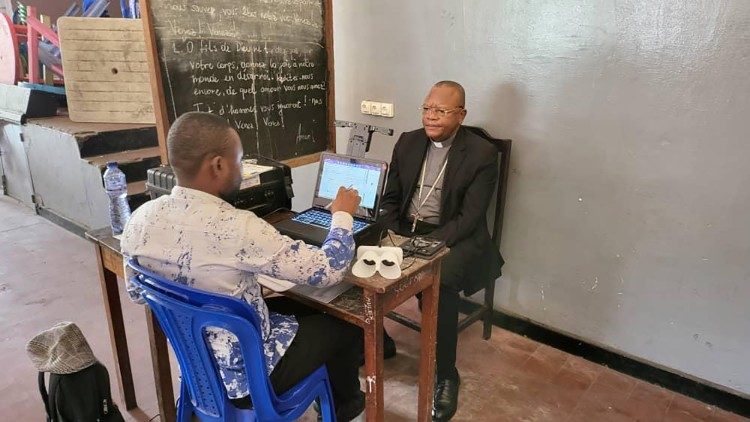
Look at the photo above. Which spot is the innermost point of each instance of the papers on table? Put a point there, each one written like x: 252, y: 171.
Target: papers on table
x: 320, y: 294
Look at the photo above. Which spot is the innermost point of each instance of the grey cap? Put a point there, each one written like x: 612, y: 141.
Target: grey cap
x: 61, y: 349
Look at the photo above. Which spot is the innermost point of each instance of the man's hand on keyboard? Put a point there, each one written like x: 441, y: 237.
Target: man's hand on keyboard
x: 347, y: 200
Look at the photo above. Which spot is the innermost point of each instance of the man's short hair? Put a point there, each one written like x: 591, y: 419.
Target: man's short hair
x: 457, y: 86
x: 193, y: 137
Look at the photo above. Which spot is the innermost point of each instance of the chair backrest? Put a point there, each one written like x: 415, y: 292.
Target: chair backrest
x: 496, y: 210
x: 184, y: 313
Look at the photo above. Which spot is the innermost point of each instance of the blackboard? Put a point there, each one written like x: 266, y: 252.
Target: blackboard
x: 264, y: 65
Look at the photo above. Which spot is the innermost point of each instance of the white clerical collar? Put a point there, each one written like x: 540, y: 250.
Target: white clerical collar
x: 445, y: 143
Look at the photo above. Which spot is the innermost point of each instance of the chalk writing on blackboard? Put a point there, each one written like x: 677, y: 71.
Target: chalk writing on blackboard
x: 261, y: 65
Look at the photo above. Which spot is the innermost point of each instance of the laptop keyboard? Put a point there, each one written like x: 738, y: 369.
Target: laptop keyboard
x: 323, y: 219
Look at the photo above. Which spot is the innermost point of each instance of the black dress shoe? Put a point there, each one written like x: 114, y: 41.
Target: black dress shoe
x: 346, y: 411
x: 389, y: 349
x: 445, y: 399
x: 351, y: 409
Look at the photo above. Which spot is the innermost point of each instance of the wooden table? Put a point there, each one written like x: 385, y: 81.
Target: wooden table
x: 110, y: 269
x: 364, y: 305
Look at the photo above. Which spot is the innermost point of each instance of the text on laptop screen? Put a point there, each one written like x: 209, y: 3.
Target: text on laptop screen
x: 359, y: 175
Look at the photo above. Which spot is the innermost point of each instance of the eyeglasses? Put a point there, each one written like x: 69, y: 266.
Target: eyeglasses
x: 439, y: 112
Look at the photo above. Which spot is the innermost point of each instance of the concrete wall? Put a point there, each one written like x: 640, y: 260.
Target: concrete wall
x: 65, y: 184
x: 14, y: 164
x: 626, y: 222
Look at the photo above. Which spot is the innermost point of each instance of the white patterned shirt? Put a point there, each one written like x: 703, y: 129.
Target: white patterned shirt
x: 202, y: 241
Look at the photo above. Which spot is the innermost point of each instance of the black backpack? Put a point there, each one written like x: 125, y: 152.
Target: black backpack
x: 82, y: 396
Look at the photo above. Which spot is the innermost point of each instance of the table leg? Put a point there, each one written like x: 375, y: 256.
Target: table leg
x: 162, y: 371
x: 373, y: 308
x: 427, y: 350
x: 117, y: 337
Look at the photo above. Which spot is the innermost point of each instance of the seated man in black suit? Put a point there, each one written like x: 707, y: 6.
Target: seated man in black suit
x: 440, y: 182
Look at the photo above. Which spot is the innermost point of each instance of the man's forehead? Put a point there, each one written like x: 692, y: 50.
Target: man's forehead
x: 442, y: 95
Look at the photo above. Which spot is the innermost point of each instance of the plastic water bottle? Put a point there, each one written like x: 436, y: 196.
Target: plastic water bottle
x: 117, y: 190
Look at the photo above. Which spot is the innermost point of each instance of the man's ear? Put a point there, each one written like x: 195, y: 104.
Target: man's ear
x: 216, y: 164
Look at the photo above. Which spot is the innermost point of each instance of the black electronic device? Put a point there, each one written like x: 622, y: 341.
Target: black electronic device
x: 422, y: 246
x: 266, y: 185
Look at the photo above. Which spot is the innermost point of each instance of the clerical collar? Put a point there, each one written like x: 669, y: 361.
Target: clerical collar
x: 445, y: 143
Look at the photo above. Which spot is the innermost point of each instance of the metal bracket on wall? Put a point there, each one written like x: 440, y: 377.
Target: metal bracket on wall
x: 3, y: 180
x: 35, y: 198
x: 360, y: 136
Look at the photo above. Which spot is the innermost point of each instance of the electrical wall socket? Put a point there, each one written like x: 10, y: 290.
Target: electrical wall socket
x: 376, y: 109
x: 386, y: 109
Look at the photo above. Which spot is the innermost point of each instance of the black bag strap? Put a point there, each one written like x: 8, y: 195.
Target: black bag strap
x: 106, y: 406
x: 54, y: 384
x: 102, y: 385
x: 43, y: 393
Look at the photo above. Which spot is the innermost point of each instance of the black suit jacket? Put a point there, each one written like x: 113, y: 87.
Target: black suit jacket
x: 470, y: 178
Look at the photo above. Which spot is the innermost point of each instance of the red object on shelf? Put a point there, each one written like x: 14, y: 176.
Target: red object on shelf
x: 11, y: 71
x: 10, y: 59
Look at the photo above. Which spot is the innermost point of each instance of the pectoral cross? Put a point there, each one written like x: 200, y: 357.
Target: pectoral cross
x: 414, y: 222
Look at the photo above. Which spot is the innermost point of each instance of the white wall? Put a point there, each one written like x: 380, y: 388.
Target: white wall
x: 626, y: 222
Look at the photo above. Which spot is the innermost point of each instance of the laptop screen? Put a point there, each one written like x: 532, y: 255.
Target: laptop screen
x: 365, y: 175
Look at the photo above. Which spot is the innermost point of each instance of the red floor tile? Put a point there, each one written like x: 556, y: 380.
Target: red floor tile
x: 616, y: 380
x: 646, y: 403
x: 593, y: 411
x: 688, y: 410
x: 545, y: 362
x: 506, y: 339
x: 570, y: 379
x: 562, y: 400
x: 584, y: 366
x: 602, y: 393
x: 724, y: 416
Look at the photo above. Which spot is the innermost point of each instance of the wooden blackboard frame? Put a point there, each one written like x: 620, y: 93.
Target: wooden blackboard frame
x: 160, y: 105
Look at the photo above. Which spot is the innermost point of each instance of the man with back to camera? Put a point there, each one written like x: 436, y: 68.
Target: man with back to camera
x: 195, y: 237
x: 440, y: 182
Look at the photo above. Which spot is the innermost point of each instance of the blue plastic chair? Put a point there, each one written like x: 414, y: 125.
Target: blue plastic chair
x: 183, y: 313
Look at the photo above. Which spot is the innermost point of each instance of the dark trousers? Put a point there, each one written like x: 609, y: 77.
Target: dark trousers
x: 320, y: 339
x: 452, y: 274
x: 447, y: 318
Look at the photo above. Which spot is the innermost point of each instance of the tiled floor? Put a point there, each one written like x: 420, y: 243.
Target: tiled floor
x: 48, y: 275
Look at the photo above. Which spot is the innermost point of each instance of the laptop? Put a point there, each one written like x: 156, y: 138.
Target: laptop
x: 366, y: 175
